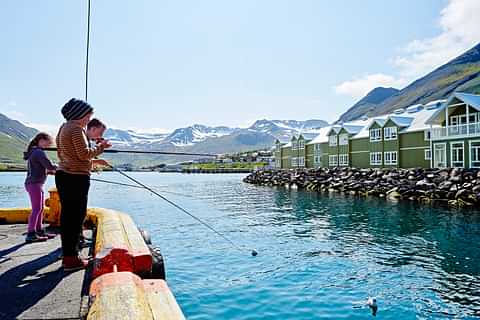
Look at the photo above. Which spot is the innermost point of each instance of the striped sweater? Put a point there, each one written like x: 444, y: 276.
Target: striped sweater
x: 73, y: 151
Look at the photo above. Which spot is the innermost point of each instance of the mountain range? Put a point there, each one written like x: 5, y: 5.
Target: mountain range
x: 460, y: 74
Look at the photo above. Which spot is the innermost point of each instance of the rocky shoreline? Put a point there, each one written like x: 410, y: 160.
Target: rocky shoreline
x: 454, y: 187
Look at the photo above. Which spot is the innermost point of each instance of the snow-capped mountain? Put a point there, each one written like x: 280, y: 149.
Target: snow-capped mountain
x: 131, y: 138
x: 285, y: 129
x: 198, y: 136
x: 197, y: 133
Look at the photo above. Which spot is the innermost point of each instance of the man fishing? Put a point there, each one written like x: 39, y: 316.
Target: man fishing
x: 73, y: 177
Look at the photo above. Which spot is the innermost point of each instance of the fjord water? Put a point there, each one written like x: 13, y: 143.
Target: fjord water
x: 319, y: 256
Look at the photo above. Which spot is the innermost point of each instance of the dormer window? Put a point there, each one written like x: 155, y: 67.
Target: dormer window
x: 343, y: 139
x: 375, y: 135
x: 390, y: 133
x: 332, y: 141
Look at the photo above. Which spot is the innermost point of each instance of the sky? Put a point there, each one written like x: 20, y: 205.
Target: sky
x: 157, y: 65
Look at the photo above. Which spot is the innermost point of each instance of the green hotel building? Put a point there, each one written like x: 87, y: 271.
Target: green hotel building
x: 442, y: 133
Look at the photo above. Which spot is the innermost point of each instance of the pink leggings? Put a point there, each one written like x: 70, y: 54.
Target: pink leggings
x: 35, y: 191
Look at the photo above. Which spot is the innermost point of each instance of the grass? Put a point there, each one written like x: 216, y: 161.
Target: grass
x: 234, y: 165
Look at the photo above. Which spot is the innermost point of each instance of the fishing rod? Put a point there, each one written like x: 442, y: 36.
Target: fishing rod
x: 149, y: 152
x: 253, y: 251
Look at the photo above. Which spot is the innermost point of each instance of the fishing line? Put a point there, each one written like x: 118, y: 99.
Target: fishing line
x: 139, y: 187
x: 253, y: 251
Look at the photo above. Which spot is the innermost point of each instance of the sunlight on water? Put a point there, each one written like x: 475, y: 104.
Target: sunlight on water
x: 319, y: 256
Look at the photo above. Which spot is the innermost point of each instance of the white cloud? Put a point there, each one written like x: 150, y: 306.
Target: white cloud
x: 359, y: 87
x: 460, y: 30
x: 14, y: 114
x: 48, y: 128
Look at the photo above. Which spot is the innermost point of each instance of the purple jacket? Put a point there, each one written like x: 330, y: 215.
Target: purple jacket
x: 38, y: 164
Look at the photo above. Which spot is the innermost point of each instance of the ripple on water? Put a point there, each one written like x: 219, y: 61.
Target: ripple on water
x: 320, y: 256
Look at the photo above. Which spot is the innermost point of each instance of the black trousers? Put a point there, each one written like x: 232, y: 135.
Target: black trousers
x: 73, y: 193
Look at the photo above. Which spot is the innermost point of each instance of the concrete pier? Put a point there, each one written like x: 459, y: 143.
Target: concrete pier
x: 33, y: 284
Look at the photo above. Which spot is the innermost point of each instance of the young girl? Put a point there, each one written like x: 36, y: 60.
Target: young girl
x: 38, y: 167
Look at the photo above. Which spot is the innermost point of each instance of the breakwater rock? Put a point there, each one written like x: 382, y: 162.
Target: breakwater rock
x: 455, y: 187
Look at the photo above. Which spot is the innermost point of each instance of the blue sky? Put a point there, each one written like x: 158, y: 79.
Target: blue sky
x: 159, y: 65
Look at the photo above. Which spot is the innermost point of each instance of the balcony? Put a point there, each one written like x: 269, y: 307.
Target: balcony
x: 462, y: 130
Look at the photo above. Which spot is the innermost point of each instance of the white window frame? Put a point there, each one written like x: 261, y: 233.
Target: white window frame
x: 343, y: 139
x: 472, y: 153
x: 444, y: 149
x: 301, y: 161
x: 332, y: 141
x: 301, y: 144
x: 333, y: 160
x: 375, y: 158
x: 454, y: 148
x: 428, y: 154
x: 294, y: 145
x: 377, y: 136
x: 390, y: 158
x: 317, y: 160
x: 294, y: 161
x: 390, y: 133
x: 343, y: 159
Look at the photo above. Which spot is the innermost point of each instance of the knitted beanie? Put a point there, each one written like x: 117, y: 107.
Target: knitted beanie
x: 76, y: 109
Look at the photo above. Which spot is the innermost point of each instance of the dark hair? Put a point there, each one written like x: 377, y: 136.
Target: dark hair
x: 95, y: 123
x: 34, y: 143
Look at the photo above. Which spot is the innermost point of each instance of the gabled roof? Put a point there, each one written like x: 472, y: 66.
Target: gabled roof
x: 335, y: 128
x: 322, y: 136
x: 400, y: 121
x: 352, y: 129
x: 472, y: 100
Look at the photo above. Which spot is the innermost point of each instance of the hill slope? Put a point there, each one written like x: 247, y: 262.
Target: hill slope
x: 14, y: 137
x: 368, y: 103
x: 459, y: 74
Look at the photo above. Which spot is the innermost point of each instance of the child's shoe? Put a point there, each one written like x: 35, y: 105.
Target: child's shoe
x: 43, y: 233
x: 33, y: 237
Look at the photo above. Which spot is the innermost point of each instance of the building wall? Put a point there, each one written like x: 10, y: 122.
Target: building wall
x: 309, y: 156
x: 466, y: 150
x: 360, y: 153
x: 412, y: 150
x: 286, y: 155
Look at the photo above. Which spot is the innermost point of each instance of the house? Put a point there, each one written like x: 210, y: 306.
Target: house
x: 455, y: 135
x: 441, y: 133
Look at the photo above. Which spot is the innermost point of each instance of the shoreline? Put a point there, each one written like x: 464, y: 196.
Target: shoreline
x: 453, y: 187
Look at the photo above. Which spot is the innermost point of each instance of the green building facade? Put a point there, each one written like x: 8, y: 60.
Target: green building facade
x: 437, y: 134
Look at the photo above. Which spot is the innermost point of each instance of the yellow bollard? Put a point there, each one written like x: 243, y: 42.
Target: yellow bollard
x: 52, y: 215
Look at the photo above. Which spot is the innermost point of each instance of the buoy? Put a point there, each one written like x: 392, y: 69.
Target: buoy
x: 254, y: 252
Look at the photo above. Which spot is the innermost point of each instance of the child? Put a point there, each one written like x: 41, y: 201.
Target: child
x: 73, y: 177
x: 95, y: 131
x: 38, y: 167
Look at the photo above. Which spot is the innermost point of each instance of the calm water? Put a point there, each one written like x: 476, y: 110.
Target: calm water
x: 319, y: 256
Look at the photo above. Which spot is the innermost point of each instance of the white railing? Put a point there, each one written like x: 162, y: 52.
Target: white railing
x: 472, y: 129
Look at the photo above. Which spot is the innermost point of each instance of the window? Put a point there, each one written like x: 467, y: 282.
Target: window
x: 439, y: 155
x: 375, y: 135
x: 277, y: 147
x: 428, y: 154
x: 456, y: 154
x: 343, y: 139
x: 375, y: 158
x: 390, y: 133
x: 475, y: 154
x: 343, y: 159
x: 294, y: 162
x: 317, y: 160
x: 294, y: 145
x: 391, y: 158
x: 301, y: 161
x: 332, y: 141
x: 317, y: 149
x: 333, y: 161
x: 301, y: 144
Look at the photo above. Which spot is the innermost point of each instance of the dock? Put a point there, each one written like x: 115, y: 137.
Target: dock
x: 33, y: 284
